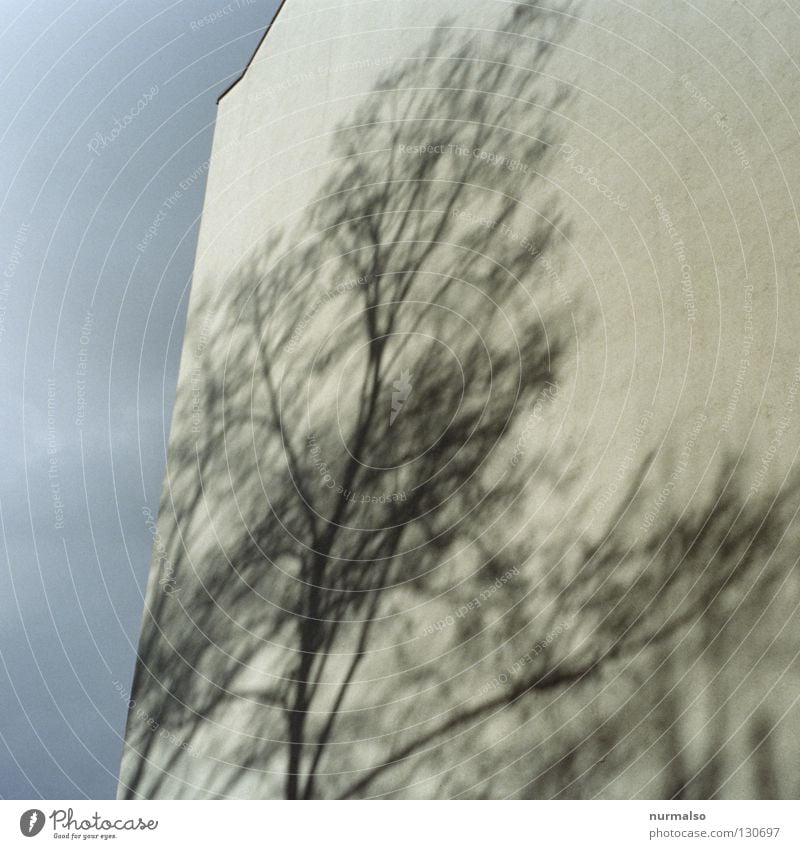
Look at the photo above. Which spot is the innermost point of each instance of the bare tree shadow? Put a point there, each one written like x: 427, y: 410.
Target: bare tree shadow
x: 354, y: 452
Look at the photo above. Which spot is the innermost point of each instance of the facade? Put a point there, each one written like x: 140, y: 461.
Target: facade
x: 481, y: 473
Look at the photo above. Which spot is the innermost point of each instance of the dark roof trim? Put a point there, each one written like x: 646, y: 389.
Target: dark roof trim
x: 258, y: 47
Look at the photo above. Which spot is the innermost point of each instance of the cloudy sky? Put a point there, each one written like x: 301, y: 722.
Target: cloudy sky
x: 106, y: 114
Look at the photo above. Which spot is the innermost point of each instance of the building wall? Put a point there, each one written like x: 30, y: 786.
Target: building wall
x: 576, y: 229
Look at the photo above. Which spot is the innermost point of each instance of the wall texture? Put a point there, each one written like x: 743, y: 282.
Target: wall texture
x: 481, y: 470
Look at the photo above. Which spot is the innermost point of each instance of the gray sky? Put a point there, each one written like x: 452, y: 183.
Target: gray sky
x: 106, y: 112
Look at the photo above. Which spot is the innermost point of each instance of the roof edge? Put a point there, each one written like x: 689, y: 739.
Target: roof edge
x: 255, y: 52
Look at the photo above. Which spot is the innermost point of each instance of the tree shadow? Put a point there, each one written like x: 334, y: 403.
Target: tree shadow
x: 375, y: 361
x: 358, y: 602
